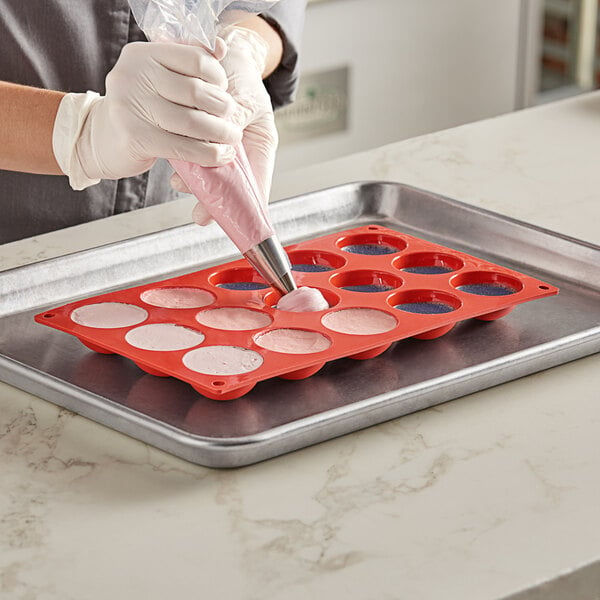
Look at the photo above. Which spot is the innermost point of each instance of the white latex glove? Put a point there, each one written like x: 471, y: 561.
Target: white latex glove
x: 244, y: 64
x: 162, y: 100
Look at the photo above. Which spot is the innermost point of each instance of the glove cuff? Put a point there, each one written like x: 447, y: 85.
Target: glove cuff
x: 252, y: 42
x: 70, y: 119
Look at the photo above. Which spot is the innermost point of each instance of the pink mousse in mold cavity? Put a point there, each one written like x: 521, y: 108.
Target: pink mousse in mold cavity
x: 292, y: 341
x: 222, y: 360
x: 233, y: 319
x: 109, y: 315
x: 182, y: 297
x: 163, y: 337
x: 303, y: 299
x: 359, y: 321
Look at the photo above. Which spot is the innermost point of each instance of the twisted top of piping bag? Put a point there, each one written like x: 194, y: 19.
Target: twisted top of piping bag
x: 195, y: 22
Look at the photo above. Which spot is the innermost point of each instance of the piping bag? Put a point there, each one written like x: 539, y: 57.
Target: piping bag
x: 228, y: 193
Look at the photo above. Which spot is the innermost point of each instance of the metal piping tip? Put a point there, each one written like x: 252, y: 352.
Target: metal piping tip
x: 271, y: 261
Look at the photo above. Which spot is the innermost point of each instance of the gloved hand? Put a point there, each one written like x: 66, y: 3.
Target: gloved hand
x: 244, y: 64
x: 162, y: 100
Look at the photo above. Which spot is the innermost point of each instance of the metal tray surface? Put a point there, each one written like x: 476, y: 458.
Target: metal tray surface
x: 280, y: 416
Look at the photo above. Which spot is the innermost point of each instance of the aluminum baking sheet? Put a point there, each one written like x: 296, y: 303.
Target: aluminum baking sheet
x: 280, y: 416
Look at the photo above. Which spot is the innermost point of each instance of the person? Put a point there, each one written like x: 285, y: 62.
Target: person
x: 150, y: 102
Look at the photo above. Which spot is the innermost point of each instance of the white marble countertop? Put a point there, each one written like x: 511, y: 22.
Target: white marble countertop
x: 478, y: 499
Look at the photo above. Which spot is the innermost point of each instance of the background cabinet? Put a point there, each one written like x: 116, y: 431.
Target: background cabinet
x: 378, y: 71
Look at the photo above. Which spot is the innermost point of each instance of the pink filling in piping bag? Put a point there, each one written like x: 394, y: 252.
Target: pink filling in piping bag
x: 229, y: 195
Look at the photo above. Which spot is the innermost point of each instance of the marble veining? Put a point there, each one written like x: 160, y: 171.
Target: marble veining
x: 477, y: 499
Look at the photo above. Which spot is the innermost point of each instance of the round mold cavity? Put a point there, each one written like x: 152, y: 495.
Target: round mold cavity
x: 434, y: 333
x: 496, y: 314
x: 372, y: 353
x: 424, y: 302
x: 222, y: 360
x: 428, y: 263
x: 272, y: 298
x: 163, y: 337
x: 371, y: 244
x: 238, y: 279
x: 486, y: 283
x: 234, y: 318
x: 292, y: 341
x: 303, y: 299
x: 177, y: 297
x: 359, y: 321
x: 315, y: 261
x: 366, y: 281
x: 302, y: 373
x: 150, y: 370
x: 95, y: 347
x: 216, y: 394
x: 108, y: 315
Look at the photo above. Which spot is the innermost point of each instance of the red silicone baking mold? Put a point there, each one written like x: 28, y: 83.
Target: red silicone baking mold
x: 413, y: 274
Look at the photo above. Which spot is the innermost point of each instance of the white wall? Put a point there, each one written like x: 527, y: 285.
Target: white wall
x: 415, y: 66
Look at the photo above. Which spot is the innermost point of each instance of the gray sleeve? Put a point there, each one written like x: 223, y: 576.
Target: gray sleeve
x: 287, y: 17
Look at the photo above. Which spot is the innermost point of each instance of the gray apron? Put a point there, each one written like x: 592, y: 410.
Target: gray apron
x: 71, y: 45
x: 67, y: 45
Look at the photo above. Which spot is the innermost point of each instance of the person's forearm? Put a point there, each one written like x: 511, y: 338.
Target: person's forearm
x: 271, y: 37
x: 27, y: 117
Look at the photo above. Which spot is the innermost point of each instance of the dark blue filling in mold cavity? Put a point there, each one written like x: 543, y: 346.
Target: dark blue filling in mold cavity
x: 428, y: 270
x: 486, y: 289
x: 368, y: 288
x: 243, y: 286
x: 310, y: 268
x: 371, y: 249
x: 425, y: 308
